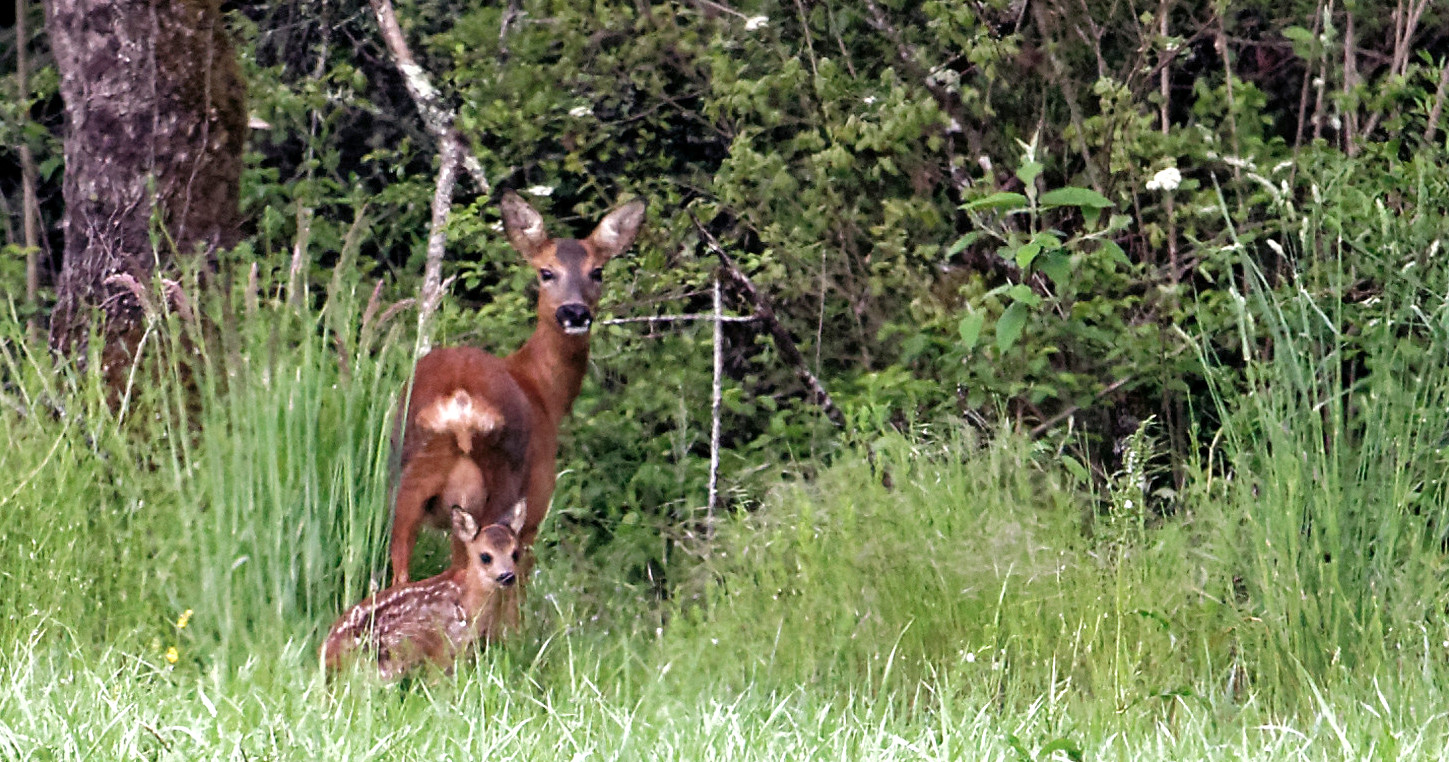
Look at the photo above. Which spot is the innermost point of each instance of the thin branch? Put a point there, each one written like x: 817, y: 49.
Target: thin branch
x: 681, y: 319
x: 1052, y: 422
x: 433, y: 287
x: 716, y: 400
x: 29, y: 206
x: 295, y: 284
x: 763, y: 311
x: 1068, y: 87
x: 437, y: 117
x: 1438, y: 107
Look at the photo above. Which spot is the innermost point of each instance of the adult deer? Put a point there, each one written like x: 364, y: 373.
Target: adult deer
x: 478, y: 432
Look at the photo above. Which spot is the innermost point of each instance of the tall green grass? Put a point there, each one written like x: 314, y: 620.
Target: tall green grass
x: 979, y: 603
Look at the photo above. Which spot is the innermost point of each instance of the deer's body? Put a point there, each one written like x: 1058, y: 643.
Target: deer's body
x: 502, y: 415
x: 436, y: 619
x: 465, y: 441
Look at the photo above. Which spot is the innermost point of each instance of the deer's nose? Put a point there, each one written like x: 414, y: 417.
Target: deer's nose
x: 574, y: 319
x: 507, y: 579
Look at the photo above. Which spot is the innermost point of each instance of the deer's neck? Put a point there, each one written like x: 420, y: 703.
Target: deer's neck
x: 472, y: 595
x: 550, y: 366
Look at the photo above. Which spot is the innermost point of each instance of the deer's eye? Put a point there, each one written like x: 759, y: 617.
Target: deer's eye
x: 546, y: 275
x: 515, y: 556
x: 597, y: 274
x: 486, y: 558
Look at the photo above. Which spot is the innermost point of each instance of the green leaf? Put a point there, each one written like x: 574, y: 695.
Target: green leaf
x: 962, y: 242
x: 1026, y: 254
x: 47, y: 168
x: 1076, y: 469
x: 1029, y: 172
x: 970, y: 328
x: 1083, y: 198
x: 1298, y: 34
x: 1114, y: 253
x: 1010, y: 325
x: 1020, y: 292
x: 1057, y: 266
x: 1002, y: 200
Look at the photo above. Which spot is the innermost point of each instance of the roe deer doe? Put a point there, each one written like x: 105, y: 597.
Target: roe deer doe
x: 479, y: 432
x: 436, y: 619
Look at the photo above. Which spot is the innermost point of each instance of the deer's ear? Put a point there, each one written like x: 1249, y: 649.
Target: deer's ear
x: 617, y: 230
x: 464, y: 525
x: 523, y: 226
x: 515, y: 516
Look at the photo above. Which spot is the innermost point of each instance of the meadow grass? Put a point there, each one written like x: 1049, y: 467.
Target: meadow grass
x: 982, y: 605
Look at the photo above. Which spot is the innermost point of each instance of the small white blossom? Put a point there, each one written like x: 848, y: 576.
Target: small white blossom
x: 540, y: 190
x: 756, y: 22
x: 868, y: 100
x: 1165, y: 180
x: 579, y: 112
x: 970, y: 657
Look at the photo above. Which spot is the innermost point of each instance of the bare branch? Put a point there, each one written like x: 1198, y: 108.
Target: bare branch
x: 1438, y: 107
x: 437, y: 117
x: 433, y: 287
x: 716, y: 398
x: 763, y: 311
x: 299, y: 253
x: 692, y: 317
x: 29, y: 206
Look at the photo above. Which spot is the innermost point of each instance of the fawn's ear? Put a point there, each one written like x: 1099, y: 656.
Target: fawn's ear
x: 515, y: 516
x: 523, y: 226
x: 464, y: 525
x: 617, y: 230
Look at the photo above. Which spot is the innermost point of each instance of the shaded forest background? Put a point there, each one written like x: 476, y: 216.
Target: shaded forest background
x: 959, y: 210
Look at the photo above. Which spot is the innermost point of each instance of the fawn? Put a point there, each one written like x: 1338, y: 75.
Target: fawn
x: 436, y: 619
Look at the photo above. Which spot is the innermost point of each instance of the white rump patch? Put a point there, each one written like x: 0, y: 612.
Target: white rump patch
x: 461, y: 415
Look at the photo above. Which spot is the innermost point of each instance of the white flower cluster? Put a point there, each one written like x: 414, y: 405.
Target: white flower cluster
x: 756, y: 22
x: 1165, y: 180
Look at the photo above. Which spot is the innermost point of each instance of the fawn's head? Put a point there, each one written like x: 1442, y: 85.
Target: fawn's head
x: 492, y: 550
x: 570, y: 271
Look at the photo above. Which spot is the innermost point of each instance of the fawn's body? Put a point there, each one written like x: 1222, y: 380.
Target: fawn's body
x: 502, y: 415
x: 436, y: 619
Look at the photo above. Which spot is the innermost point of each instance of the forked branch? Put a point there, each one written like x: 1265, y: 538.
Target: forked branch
x: 437, y: 117
x: 765, y: 313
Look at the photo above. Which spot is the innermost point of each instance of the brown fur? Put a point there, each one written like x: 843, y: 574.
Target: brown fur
x: 433, y: 620
x: 530, y: 392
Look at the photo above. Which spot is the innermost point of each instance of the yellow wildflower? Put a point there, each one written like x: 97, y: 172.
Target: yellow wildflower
x: 172, y: 655
x: 183, y: 620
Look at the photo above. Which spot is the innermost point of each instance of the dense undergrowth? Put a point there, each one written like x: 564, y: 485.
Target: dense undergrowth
x: 171, y: 556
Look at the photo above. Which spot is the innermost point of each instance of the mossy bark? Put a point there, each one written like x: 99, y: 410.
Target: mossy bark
x: 155, y: 128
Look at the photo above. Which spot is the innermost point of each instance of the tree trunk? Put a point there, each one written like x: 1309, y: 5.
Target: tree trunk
x: 155, y: 125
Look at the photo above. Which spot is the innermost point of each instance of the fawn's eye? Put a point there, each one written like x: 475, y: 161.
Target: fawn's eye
x: 597, y: 274
x: 486, y: 558
x: 546, y: 275
x: 515, y: 556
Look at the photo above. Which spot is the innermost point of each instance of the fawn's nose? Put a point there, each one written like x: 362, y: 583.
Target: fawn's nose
x: 507, y: 579
x: 574, y: 319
